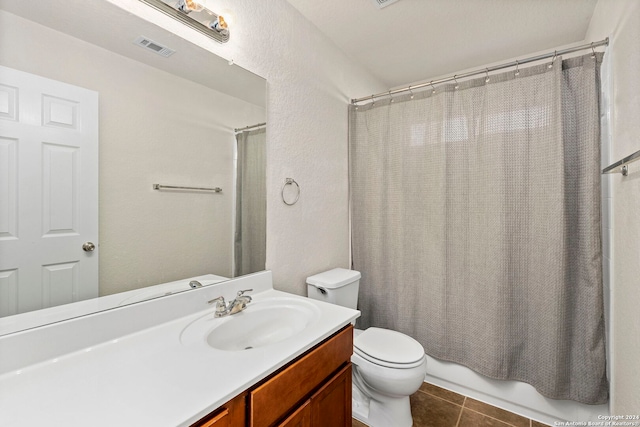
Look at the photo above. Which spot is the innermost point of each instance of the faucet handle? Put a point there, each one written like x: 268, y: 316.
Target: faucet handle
x: 245, y: 298
x: 221, y: 306
x: 218, y: 300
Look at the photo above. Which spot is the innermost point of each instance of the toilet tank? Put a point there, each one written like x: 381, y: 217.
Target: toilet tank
x: 338, y: 286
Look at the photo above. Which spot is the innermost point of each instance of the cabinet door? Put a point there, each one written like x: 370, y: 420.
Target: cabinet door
x: 219, y: 419
x: 331, y: 405
x: 300, y: 418
x: 231, y: 414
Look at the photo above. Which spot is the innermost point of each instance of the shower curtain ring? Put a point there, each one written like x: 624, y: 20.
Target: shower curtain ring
x: 434, y: 89
x: 488, y: 79
x: 373, y: 100
x: 390, y: 97
x: 593, y: 51
x: 517, y: 73
x: 456, y: 80
x: 555, y: 54
x: 410, y: 91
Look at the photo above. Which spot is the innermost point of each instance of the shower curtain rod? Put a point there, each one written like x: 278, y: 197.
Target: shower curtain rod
x: 516, y: 63
x: 250, y: 127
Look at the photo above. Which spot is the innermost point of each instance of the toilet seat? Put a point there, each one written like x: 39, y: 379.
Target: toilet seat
x: 388, y: 348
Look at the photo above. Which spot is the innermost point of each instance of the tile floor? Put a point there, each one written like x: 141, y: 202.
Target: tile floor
x: 433, y: 406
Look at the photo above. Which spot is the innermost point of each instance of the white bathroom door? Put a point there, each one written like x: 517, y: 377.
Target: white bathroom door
x: 48, y: 192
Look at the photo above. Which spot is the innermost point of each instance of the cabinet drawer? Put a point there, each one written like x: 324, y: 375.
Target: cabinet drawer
x: 275, y: 397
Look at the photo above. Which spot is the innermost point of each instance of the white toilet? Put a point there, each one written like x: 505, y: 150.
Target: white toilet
x: 388, y: 366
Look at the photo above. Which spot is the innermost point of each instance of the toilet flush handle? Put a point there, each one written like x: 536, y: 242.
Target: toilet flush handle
x: 320, y: 289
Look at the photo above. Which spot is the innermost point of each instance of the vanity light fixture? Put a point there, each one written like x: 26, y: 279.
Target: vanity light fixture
x: 194, y: 15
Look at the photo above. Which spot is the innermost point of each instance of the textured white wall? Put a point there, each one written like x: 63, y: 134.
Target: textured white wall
x: 310, y: 82
x: 620, y: 20
x: 154, y: 128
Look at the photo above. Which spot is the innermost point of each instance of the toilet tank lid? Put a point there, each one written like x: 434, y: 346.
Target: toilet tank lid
x: 335, y: 278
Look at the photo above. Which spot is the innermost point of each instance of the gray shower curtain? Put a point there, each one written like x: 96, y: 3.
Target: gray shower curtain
x: 476, y: 224
x: 251, y: 203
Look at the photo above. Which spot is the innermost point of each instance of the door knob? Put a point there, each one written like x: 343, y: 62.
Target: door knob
x: 88, y: 247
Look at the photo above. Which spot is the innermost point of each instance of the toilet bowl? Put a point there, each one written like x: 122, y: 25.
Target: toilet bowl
x: 388, y: 366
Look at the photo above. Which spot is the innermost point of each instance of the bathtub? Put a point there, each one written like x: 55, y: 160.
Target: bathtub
x: 514, y: 396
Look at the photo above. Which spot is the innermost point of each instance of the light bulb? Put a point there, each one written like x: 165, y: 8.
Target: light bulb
x: 187, y: 6
x: 222, y: 23
x: 229, y: 17
x: 219, y: 24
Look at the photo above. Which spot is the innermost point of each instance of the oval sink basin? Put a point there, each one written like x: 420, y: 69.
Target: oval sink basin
x: 261, y: 323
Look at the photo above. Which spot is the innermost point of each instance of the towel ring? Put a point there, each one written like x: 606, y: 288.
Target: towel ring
x: 290, y: 181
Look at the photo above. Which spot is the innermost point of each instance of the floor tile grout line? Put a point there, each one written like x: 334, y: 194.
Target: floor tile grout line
x: 498, y: 419
x: 461, y: 409
x: 493, y: 418
x: 442, y: 398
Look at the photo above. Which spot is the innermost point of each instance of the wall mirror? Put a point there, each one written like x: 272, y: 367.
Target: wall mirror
x: 96, y: 106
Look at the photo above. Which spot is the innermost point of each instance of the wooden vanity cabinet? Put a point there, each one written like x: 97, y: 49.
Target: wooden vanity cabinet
x: 305, y: 379
x: 312, y: 391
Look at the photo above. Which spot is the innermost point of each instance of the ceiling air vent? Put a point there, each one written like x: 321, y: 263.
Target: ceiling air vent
x: 383, y: 3
x: 153, y: 46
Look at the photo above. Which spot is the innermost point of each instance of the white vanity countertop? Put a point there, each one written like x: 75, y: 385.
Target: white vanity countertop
x: 150, y: 378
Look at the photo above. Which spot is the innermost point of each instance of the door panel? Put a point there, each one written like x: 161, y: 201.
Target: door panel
x: 48, y: 192
x: 60, y: 172
x: 9, y: 188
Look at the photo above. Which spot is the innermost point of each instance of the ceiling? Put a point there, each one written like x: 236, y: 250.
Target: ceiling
x: 414, y: 40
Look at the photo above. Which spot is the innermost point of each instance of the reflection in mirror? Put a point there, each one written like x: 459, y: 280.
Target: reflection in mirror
x: 90, y: 118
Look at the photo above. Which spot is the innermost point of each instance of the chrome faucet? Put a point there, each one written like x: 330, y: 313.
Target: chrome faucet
x: 235, y: 306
